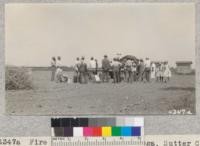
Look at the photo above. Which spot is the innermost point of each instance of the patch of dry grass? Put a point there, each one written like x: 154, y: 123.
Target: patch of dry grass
x: 51, y: 98
x: 180, y: 88
x: 18, y: 78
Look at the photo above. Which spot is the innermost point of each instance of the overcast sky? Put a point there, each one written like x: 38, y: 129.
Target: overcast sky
x: 36, y: 32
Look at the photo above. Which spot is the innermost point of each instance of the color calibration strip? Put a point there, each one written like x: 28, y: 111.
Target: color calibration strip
x: 97, y: 127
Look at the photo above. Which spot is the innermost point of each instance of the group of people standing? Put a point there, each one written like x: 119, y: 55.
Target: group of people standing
x: 127, y: 70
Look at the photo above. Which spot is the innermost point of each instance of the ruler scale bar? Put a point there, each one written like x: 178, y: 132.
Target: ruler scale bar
x: 105, y: 142
x: 121, y: 141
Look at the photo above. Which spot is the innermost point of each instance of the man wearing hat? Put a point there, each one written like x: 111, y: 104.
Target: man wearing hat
x: 76, y: 67
x: 105, y: 68
x: 147, y: 69
x: 116, y: 70
x: 83, y: 71
x: 92, y: 68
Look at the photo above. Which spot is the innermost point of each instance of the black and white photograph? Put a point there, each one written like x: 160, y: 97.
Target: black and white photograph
x: 100, y: 59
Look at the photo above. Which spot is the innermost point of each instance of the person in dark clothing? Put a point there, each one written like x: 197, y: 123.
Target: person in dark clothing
x: 147, y: 70
x: 96, y: 70
x: 138, y: 71
x: 77, y: 73
x: 134, y: 70
x: 105, y: 68
x: 141, y: 71
x: 83, y: 71
x: 53, y: 68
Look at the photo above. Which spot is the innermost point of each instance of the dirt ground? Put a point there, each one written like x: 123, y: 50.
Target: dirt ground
x: 50, y: 98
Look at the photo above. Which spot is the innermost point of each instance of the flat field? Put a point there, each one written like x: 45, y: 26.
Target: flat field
x: 51, y: 98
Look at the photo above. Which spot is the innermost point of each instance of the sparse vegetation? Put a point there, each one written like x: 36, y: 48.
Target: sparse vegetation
x: 49, y: 97
x: 18, y: 78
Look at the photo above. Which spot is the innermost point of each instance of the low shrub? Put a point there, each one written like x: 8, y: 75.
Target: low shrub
x: 18, y: 78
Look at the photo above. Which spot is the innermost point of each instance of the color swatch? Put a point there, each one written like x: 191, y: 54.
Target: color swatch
x: 97, y: 127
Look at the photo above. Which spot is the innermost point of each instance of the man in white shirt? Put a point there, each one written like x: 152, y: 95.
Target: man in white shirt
x: 92, y: 68
x: 153, y: 70
x: 58, y: 62
x: 92, y: 63
x: 147, y: 63
x: 59, y: 71
x: 77, y: 64
x: 129, y: 73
